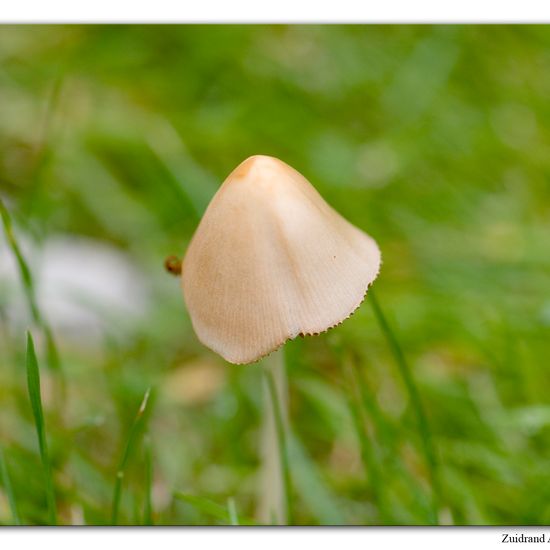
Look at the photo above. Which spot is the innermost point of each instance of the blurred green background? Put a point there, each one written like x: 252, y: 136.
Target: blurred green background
x: 433, y: 139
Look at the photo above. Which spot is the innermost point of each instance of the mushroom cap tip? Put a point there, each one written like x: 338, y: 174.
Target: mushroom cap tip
x: 255, y: 163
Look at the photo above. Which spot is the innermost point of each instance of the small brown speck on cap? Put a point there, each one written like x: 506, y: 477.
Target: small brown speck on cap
x: 172, y: 264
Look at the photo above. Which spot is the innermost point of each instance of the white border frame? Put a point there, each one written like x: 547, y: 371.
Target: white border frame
x: 231, y: 538
x: 277, y: 11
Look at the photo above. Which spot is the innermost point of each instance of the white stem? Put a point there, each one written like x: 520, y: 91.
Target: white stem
x: 271, y: 501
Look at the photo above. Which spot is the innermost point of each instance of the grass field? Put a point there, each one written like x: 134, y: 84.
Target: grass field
x: 431, y: 404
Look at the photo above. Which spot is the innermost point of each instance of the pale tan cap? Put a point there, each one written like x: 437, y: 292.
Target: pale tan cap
x: 271, y: 260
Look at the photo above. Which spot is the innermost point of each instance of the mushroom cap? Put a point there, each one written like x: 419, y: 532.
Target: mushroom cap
x: 271, y: 260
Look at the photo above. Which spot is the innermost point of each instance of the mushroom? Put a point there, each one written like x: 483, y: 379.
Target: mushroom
x: 271, y: 260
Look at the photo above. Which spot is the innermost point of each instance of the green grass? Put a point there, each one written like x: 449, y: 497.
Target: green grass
x: 416, y: 402
x: 148, y: 506
x: 130, y: 446
x: 432, y: 407
x: 232, y: 511
x: 30, y: 293
x: 24, y: 271
x: 366, y: 441
x: 6, y: 483
x: 33, y: 386
x: 227, y: 515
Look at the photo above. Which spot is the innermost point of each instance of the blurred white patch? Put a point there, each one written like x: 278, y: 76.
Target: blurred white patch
x: 377, y: 164
x: 515, y: 125
x: 84, y: 287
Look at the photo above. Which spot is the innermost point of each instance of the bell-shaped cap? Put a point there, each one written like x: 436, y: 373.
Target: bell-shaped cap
x: 271, y: 260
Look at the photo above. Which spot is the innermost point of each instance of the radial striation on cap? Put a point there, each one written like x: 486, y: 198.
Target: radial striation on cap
x: 271, y: 260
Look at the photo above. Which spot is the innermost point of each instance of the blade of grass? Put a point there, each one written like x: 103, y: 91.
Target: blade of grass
x: 148, y: 508
x: 365, y: 442
x: 209, y: 507
x: 33, y: 383
x: 6, y: 482
x: 204, y: 505
x: 133, y: 434
x: 386, y: 434
x: 232, y: 511
x: 53, y: 361
x: 52, y: 352
x: 310, y: 484
x: 25, y: 272
x: 281, y: 441
x: 416, y: 402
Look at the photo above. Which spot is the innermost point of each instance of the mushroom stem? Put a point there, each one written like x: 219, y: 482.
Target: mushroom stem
x: 274, y: 498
